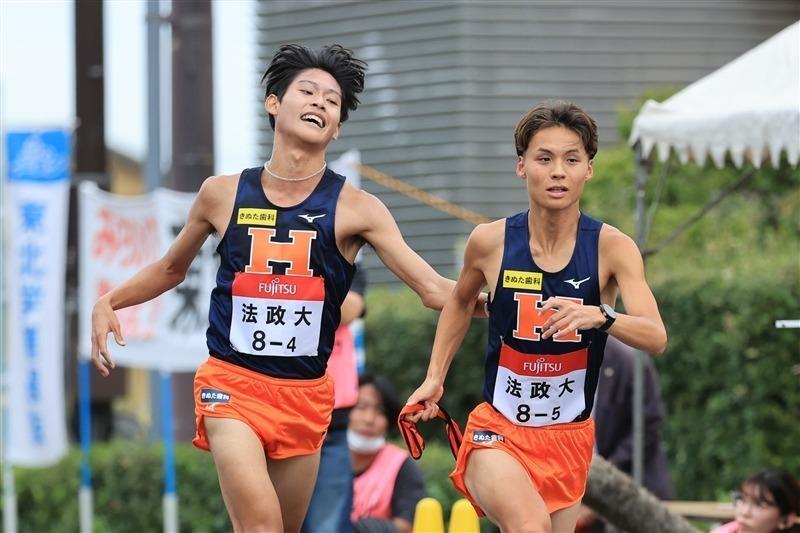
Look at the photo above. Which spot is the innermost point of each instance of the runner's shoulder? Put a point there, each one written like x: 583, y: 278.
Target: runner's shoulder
x: 217, y: 189
x: 355, y: 197
x: 616, y: 244
x: 360, y: 204
x: 485, y: 237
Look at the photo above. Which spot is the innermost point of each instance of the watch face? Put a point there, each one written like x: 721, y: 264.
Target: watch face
x: 610, y: 315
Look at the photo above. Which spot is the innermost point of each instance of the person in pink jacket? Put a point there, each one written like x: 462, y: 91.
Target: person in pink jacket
x: 387, y: 483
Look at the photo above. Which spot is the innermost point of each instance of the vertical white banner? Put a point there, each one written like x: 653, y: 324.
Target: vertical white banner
x: 119, y: 235
x: 35, y: 207
x: 184, y: 315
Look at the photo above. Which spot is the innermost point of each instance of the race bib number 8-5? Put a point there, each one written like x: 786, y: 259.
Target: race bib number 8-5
x: 540, y: 390
x: 276, y: 315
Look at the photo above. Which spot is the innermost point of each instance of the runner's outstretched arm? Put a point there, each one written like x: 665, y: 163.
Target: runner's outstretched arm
x: 382, y: 233
x: 151, y: 281
x: 454, y: 322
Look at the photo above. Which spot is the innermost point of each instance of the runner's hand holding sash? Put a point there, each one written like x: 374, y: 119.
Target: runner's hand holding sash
x: 413, y: 439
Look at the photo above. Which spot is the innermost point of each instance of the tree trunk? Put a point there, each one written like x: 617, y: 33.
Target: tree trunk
x: 627, y: 506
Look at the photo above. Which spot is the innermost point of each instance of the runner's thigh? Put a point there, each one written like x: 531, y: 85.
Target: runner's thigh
x: 243, y: 476
x: 502, y: 488
x: 565, y: 519
x: 294, y: 480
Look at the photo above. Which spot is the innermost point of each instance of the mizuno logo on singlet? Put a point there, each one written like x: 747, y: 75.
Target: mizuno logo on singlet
x: 576, y: 284
x: 311, y: 218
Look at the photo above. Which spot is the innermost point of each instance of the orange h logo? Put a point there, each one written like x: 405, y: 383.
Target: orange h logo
x: 297, y: 252
x: 530, y: 321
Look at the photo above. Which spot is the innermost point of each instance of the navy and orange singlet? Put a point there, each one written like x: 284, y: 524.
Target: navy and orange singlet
x: 281, y: 282
x: 530, y: 380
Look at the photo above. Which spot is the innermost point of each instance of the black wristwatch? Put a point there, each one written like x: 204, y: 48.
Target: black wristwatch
x: 610, y: 315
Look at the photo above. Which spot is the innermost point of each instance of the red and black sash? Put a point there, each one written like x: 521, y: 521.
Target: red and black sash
x: 412, y: 437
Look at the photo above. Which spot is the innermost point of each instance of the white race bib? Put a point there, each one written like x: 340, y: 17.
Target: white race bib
x: 276, y: 315
x: 540, y: 390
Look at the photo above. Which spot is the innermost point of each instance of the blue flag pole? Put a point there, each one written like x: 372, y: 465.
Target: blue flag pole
x: 170, y: 500
x: 85, y: 506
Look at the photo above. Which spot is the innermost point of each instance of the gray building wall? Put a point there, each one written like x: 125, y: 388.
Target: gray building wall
x: 448, y: 81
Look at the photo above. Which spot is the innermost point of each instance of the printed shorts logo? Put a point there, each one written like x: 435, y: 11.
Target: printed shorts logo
x: 214, y: 396
x: 256, y: 217
x: 484, y: 436
x: 518, y: 279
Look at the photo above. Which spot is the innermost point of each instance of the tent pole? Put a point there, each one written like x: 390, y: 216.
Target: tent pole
x: 642, y: 175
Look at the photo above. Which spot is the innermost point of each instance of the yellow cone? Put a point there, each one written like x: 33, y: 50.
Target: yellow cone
x: 428, y: 517
x: 463, y: 518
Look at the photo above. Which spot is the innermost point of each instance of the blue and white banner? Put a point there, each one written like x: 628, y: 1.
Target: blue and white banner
x: 36, y: 204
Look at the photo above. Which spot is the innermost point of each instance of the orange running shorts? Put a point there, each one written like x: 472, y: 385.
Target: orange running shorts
x: 556, y: 458
x: 290, y: 416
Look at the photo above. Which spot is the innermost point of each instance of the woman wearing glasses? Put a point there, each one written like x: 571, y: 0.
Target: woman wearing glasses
x: 767, y: 502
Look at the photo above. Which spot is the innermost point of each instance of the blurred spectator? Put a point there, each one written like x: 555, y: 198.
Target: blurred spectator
x: 614, y: 423
x: 388, y: 483
x: 767, y: 502
x: 332, y: 500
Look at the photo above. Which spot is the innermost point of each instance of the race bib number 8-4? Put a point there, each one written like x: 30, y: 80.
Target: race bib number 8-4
x: 276, y: 315
x: 540, y: 390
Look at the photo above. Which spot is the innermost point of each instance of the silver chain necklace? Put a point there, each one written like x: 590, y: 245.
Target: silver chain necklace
x: 282, y: 178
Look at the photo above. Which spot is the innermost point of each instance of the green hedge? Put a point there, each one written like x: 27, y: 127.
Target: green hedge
x: 128, y: 487
x: 730, y: 379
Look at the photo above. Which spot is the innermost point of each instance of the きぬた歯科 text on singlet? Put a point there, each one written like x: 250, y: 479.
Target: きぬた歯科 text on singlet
x: 276, y: 315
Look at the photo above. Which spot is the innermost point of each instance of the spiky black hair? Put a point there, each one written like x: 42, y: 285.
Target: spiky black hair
x: 339, y: 62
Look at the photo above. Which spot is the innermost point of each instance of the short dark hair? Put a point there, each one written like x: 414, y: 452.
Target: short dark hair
x: 391, y: 403
x: 556, y: 113
x: 779, y: 488
x: 339, y: 62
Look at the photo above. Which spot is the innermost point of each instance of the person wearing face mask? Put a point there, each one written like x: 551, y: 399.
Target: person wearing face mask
x: 388, y: 483
x: 767, y: 502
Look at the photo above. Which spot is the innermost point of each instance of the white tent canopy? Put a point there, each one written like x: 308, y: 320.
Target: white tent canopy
x: 749, y: 108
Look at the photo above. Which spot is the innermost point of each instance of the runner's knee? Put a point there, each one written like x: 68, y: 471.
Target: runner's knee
x: 527, y: 524
x: 256, y: 522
